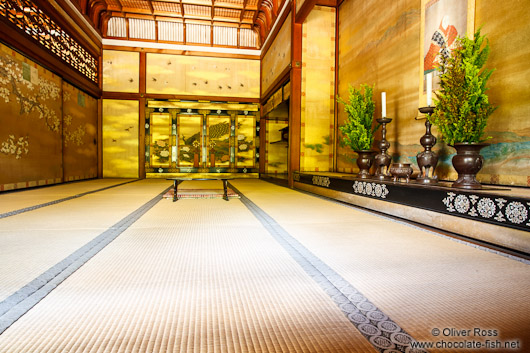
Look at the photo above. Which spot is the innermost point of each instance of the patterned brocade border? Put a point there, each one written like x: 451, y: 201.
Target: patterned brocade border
x: 481, y: 206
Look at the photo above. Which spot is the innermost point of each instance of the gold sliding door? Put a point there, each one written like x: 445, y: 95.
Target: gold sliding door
x: 200, y: 140
x: 190, y: 140
x: 245, y: 145
x: 218, y: 143
x: 161, y: 140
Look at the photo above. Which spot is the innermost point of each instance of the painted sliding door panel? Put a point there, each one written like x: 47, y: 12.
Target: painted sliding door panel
x: 379, y: 44
x: 161, y: 140
x: 80, y: 114
x: 218, y: 142
x: 120, y: 138
x: 245, y: 141
x: 508, y: 158
x: 31, y: 123
x: 276, y: 152
x: 189, y: 132
x: 318, y: 87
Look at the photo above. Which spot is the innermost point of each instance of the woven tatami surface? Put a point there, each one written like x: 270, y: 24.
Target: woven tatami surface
x: 33, y: 241
x: 11, y: 201
x: 189, y: 276
x: 421, y: 280
x: 207, y: 276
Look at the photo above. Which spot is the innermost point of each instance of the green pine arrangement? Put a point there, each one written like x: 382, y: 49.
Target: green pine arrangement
x: 357, y: 131
x: 462, y: 108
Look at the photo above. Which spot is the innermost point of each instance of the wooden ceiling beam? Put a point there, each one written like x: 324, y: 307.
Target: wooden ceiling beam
x: 169, y: 19
x: 136, y: 10
x: 139, y: 16
x: 304, y: 10
x: 182, y: 10
x: 198, y: 2
x: 151, y: 7
x: 243, y: 11
x: 167, y: 14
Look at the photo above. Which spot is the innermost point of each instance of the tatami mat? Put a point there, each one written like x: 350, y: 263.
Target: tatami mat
x: 32, y: 242
x: 16, y: 200
x: 190, y: 276
x: 421, y: 280
x: 206, y: 275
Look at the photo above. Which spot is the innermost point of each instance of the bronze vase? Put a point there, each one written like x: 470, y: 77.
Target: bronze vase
x: 365, y: 159
x: 468, y: 162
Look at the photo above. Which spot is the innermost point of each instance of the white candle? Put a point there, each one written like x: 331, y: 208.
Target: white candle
x: 383, y: 104
x: 429, y: 89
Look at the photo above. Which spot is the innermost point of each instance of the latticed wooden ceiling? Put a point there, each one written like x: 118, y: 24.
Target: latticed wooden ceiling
x: 238, y: 23
x: 231, y: 11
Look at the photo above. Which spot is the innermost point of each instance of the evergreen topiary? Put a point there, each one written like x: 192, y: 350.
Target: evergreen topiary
x: 357, y: 130
x: 462, y: 108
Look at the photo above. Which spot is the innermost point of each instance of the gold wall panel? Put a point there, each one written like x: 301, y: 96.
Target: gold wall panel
x: 31, y: 123
x: 190, y: 140
x: 245, y: 141
x: 202, y: 76
x: 379, y: 44
x: 278, y: 57
x: 80, y: 119
x: 121, y: 71
x: 508, y: 29
x: 218, y: 142
x: 120, y: 138
x: 318, y: 88
x: 383, y: 45
x: 160, y: 141
x: 276, y: 149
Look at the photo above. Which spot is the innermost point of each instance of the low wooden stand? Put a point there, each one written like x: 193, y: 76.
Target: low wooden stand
x: 177, y: 181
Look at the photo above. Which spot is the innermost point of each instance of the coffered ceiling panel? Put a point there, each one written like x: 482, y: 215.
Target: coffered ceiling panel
x: 255, y: 15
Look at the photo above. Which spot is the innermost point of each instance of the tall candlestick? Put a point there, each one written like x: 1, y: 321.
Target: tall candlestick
x: 383, y: 104
x: 429, y: 89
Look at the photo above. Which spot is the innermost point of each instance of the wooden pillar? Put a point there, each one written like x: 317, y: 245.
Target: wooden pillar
x: 141, y: 139
x: 336, y: 135
x: 262, y: 142
x: 100, y: 138
x: 141, y: 122
x: 295, y: 101
x: 99, y: 127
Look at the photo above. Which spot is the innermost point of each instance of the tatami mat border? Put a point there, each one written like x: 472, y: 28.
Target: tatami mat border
x: 383, y: 333
x: 31, y: 208
x: 19, y: 303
